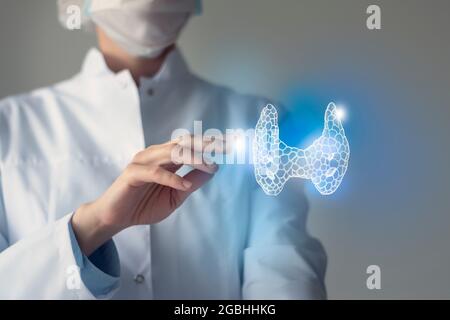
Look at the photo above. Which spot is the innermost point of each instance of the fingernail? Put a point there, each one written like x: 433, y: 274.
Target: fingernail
x: 187, y: 184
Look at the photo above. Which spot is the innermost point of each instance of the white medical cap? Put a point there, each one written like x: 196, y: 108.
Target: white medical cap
x: 67, y: 8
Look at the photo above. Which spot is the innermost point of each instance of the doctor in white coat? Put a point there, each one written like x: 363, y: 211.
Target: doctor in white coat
x: 92, y: 205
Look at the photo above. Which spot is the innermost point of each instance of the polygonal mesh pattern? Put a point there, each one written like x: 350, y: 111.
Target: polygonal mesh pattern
x: 324, y: 162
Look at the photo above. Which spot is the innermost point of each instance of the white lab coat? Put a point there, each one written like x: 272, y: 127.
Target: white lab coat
x: 63, y: 145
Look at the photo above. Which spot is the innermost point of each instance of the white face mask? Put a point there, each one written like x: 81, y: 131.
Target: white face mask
x: 143, y: 28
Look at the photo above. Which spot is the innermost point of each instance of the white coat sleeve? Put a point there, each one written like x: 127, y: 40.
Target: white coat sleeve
x: 45, y: 265
x: 282, y: 261
x: 3, y: 242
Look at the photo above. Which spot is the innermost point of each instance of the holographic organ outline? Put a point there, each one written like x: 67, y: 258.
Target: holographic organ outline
x: 324, y: 162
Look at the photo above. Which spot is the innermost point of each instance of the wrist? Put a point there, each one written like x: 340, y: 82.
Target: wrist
x: 90, y: 229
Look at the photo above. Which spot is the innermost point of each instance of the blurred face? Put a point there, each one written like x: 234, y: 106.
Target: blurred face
x: 143, y: 28
x: 141, y: 33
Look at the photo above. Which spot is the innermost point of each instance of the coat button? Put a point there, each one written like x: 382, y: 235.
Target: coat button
x: 150, y: 92
x: 139, y: 279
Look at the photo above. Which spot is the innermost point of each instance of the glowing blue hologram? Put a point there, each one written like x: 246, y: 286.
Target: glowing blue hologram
x: 324, y: 162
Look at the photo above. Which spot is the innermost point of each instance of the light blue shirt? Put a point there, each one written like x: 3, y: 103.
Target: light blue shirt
x: 100, y: 271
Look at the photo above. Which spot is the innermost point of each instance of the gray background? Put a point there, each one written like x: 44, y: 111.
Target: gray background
x: 393, y: 209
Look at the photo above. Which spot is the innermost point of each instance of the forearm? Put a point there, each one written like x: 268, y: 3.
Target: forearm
x: 90, y: 230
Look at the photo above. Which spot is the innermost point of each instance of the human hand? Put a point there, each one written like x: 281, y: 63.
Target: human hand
x: 148, y: 190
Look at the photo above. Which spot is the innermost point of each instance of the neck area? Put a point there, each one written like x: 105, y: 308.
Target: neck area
x: 118, y: 59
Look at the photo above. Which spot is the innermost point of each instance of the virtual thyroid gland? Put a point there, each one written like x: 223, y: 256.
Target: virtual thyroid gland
x: 324, y: 162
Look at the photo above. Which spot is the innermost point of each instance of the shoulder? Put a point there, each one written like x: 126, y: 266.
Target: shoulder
x: 35, y: 99
x: 32, y: 110
x: 14, y: 113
